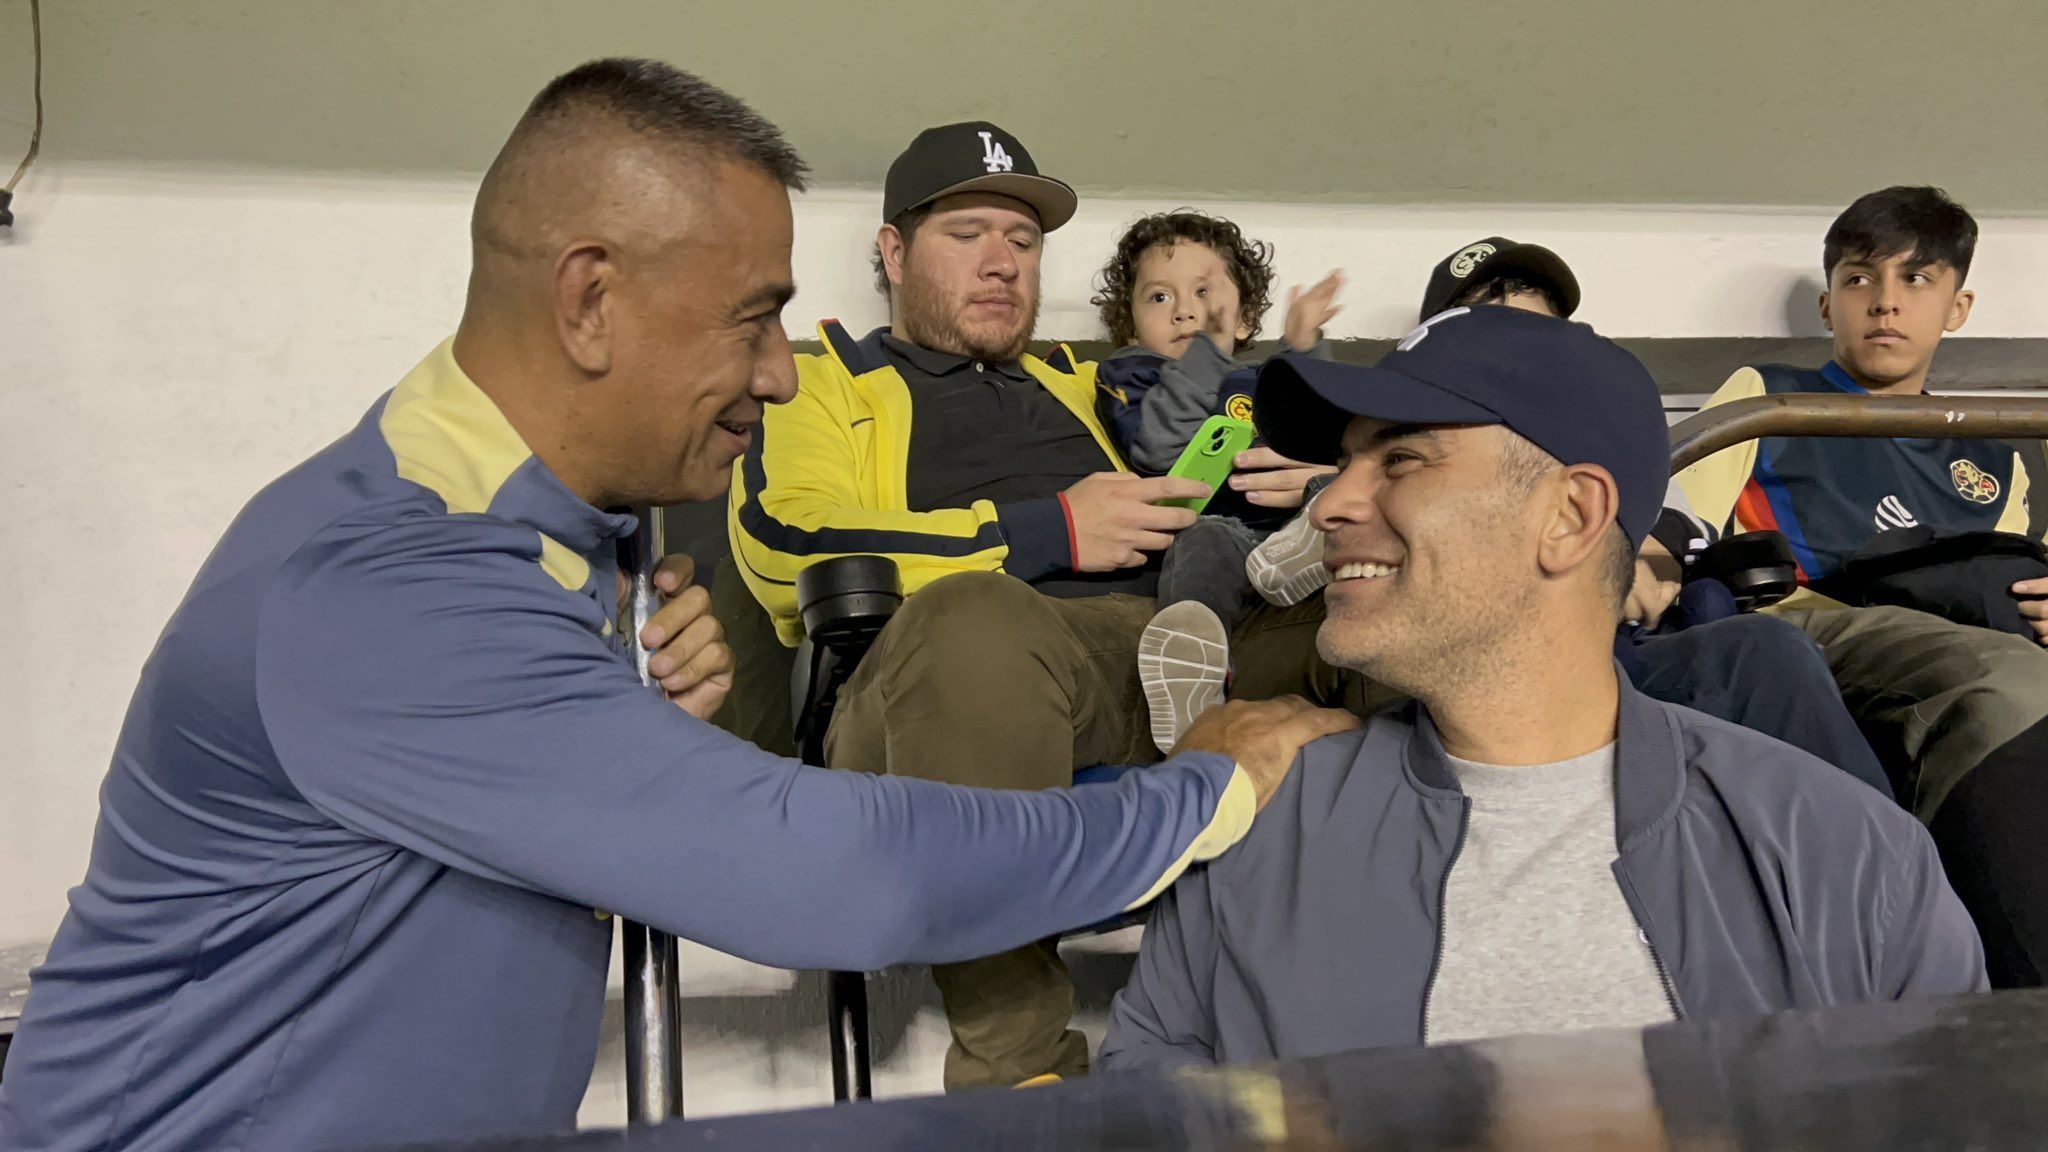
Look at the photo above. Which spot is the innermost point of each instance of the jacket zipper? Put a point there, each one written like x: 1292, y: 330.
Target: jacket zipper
x: 1443, y: 893
x: 1664, y: 976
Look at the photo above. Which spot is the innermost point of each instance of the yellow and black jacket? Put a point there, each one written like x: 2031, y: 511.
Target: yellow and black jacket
x: 827, y: 476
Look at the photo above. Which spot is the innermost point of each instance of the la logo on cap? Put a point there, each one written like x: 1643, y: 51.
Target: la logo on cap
x: 1464, y: 262
x: 992, y: 154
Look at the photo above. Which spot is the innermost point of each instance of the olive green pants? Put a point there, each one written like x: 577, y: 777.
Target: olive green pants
x: 1933, y: 697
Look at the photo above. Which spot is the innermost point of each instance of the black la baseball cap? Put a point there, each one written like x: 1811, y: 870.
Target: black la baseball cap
x: 1563, y: 387
x: 1498, y: 258
x: 975, y: 156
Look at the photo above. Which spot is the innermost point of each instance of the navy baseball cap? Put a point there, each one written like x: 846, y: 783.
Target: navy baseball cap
x: 1563, y: 387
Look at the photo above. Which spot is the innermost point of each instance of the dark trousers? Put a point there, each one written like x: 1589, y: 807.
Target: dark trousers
x: 1206, y: 563
x: 1765, y: 675
x: 1989, y: 833
x: 1960, y: 717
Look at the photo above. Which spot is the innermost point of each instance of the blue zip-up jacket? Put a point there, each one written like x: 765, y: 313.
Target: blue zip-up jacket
x: 386, y: 762
x: 1761, y: 878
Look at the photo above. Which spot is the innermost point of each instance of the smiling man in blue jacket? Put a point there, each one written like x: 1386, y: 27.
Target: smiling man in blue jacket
x: 1531, y: 845
x: 388, y: 759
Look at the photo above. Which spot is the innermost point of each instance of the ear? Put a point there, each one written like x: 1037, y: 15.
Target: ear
x: 1825, y: 317
x: 1586, y: 501
x: 1244, y: 333
x: 1959, y: 312
x: 585, y: 280
x: 890, y: 242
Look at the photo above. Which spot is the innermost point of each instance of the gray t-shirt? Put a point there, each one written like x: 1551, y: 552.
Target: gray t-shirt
x: 1536, y: 934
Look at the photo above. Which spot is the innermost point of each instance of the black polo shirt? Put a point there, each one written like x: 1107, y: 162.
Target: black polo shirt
x: 986, y: 430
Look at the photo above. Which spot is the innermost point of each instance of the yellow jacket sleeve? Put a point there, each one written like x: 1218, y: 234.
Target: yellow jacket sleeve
x: 807, y: 491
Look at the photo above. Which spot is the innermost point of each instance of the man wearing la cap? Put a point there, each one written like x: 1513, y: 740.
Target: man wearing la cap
x: 1531, y: 845
x: 1028, y: 551
x: 971, y: 455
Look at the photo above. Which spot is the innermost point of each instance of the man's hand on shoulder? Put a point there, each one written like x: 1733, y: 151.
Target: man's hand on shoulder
x: 1264, y: 736
x: 1116, y: 518
x: 2033, y: 598
x: 686, y: 644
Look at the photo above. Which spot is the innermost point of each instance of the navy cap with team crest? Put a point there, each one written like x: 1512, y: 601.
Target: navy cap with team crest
x: 1559, y: 385
x: 975, y: 156
x: 1499, y: 258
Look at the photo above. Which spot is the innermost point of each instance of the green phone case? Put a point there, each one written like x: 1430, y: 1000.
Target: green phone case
x: 1208, y: 457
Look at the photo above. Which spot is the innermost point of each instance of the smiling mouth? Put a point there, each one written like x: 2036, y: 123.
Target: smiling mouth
x: 741, y: 430
x: 1361, y: 571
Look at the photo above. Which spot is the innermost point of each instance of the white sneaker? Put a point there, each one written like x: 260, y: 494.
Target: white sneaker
x: 1183, y: 661
x: 1287, y: 567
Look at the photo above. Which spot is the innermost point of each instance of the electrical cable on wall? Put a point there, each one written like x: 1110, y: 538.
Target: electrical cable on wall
x: 35, y: 139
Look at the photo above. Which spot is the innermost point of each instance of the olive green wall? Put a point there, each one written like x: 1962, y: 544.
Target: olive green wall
x: 1374, y: 101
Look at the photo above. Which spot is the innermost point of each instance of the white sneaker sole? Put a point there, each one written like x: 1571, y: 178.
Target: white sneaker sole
x: 1183, y: 660
x: 1287, y: 567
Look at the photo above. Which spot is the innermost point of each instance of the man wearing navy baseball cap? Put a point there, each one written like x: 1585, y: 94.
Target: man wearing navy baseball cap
x: 1750, y: 668
x: 1529, y: 845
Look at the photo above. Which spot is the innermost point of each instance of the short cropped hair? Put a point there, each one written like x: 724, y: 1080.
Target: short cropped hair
x: 1498, y: 289
x: 1522, y: 466
x: 660, y: 99
x: 1250, y: 263
x: 1919, y: 222
x: 906, y: 223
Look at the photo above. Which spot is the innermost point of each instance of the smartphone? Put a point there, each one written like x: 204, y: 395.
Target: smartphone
x: 1209, y: 456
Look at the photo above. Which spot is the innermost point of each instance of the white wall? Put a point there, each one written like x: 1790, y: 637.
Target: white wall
x: 170, y: 341
x: 1645, y: 272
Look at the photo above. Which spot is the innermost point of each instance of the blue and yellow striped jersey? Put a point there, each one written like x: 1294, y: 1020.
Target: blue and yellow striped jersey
x: 1829, y: 496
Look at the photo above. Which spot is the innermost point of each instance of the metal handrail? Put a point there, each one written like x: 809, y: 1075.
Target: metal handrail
x: 654, y: 996
x: 1922, y: 417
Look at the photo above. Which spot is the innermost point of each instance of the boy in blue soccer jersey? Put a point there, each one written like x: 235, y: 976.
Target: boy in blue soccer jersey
x: 1896, y: 262
x: 1959, y: 713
